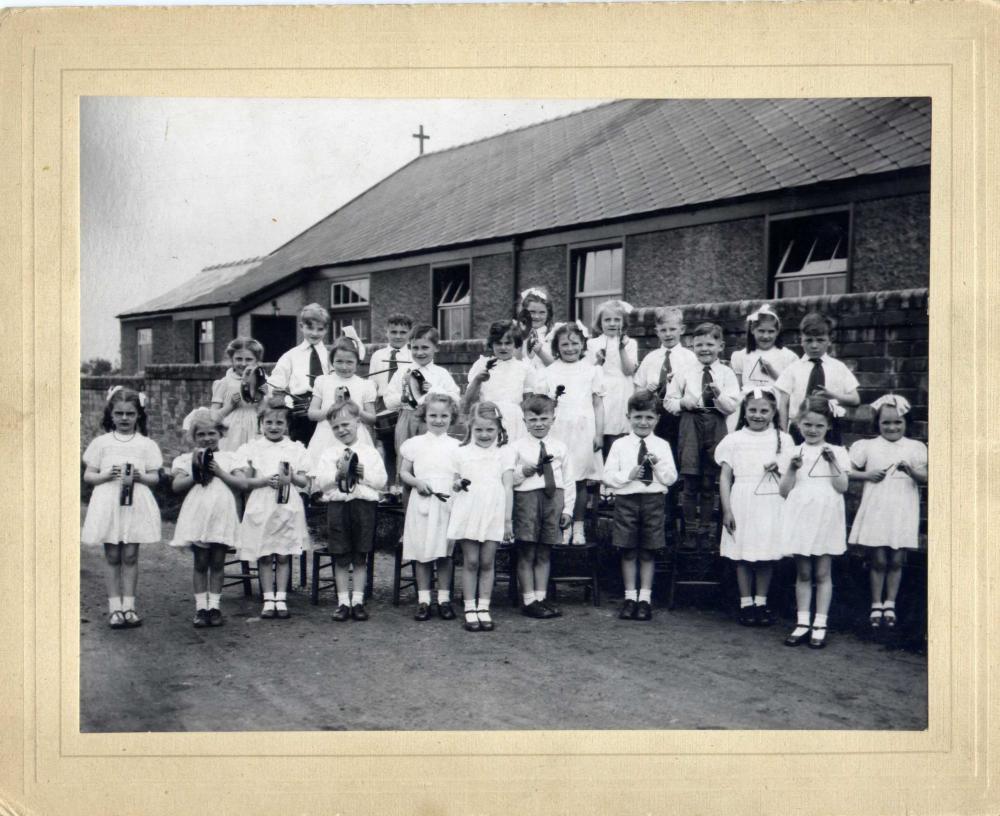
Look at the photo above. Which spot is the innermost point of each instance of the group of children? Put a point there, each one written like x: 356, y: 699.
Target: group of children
x: 550, y: 413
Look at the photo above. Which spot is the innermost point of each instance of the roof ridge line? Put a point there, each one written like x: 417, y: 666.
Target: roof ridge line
x: 541, y: 122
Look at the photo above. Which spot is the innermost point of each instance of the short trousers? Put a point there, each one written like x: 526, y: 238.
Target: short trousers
x: 351, y: 527
x: 536, y: 517
x: 700, y: 432
x: 639, y: 521
x: 667, y: 428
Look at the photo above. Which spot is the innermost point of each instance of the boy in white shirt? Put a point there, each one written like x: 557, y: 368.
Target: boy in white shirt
x: 639, y: 470
x: 382, y: 365
x: 350, y: 475
x: 816, y: 373
x: 703, y: 396
x: 296, y: 370
x: 544, y: 496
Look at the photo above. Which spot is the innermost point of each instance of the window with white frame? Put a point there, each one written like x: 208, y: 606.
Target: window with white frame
x: 349, y: 306
x: 206, y: 341
x: 144, y: 343
x: 809, y: 254
x: 453, y: 301
x: 597, y: 275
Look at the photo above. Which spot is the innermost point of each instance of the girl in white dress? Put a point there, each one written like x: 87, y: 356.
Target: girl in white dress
x: 208, y: 522
x: 617, y: 355
x: 813, y: 527
x: 888, y: 520
x: 502, y: 379
x: 122, y: 465
x: 342, y: 383
x: 752, y: 460
x: 239, y: 417
x: 578, y: 388
x: 535, y: 317
x: 764, y: 358
x: 427, y: 468
x: 274, y: 521
x: 482, y: 507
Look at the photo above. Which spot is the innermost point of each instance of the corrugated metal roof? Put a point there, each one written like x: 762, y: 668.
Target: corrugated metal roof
x: 617, y: 160
x: 198, y: 289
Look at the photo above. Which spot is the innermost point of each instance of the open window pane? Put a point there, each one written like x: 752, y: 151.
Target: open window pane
x: 453, y: 301
x: 809, y: 255
x: 349, y: 293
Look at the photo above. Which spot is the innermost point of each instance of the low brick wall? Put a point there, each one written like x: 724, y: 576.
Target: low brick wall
x: 881, y: 336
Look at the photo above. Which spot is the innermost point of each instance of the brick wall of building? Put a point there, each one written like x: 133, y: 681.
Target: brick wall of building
x: 492, y: 291
x: 891, y: 243
x: 400, y: 290
x: 708, y: 262
x: 546, y: 268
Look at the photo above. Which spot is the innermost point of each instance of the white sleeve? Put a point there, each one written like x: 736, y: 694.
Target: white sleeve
x: 664, y: 470
x: 615, y: 472
x: 375, y: 475
x: 394, y: 390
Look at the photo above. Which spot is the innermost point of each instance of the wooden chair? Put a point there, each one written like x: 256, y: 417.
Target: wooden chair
x: 587, y: 576
x: 318, y: 583
x: 245, y: 576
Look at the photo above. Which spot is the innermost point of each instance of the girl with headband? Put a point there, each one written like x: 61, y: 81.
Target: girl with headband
x: 892, y: 467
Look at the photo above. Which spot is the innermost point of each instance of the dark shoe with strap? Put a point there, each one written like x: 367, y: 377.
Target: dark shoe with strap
x: 818, y: 642
x: 551, y: 610
x: 765, y: 616
x: 628, y: 610
x: 747, y: 616
x: 446, y: 610
x: 359, y: 613
x: 644, y: 611
x: 215, y: 617
x: 342, y: 614
x: 535, y: 610
x: 795, y: 640
x: 434, y: 609
x: 201, y: 619
x: 423, y: 612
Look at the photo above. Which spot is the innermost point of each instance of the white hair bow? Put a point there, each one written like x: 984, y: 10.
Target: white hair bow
x: 626, y: 307
x: 351, y: 332
x: 901, y: 404
x: 114, y: 389
x: 531, y: 290
x: 142, y: 399
x: 583, y: 329
x: 757, y: 391
x: 764, y: 309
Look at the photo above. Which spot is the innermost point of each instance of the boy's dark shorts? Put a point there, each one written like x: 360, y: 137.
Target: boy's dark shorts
x: 700, y: 432
x: 536, y: 517
x: 639, y: 521
x: 351, y: 527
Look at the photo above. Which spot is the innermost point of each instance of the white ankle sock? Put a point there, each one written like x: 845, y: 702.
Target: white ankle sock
x: 802, y: 619
x: 214, y: 599
x: 819, y: 621
x: 444, y: 596
x: 343, y: 598
x: 539, y: 596
x: 423, y: 596
x: 128, y: 602
x: 645, y: 595
x: 470, y: 606
x: 484, y: 605
x: 886, y: 605
x: 745, y: 601
x: 760, y: 600
x: 631, y: 594
x: 357, y: 598
x: 114, y: 605
x: 528, y: 598
x: 201, y: 600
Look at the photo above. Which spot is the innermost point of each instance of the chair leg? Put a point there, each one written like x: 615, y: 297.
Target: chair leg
x: 314, y: 589
x: 302, y: 572
x: 370, y: 582
x: 397, y: 573
x: 594, y: 577
x: 673, y: 582
x: 512, y: 579
x: 247, y: 585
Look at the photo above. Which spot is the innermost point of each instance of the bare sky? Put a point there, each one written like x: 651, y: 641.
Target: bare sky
x: 169, y: 186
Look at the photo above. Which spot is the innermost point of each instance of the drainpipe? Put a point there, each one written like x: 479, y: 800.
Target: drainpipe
x: 515, y: 263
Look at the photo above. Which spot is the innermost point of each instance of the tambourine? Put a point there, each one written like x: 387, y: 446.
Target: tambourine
x: 253, y: 384
x: 343, y: 393
x: 125, y: 494
x: 347, y: 474
x: 542, y: 462
x: 385, y: 421
x: 463, y: 485
x: 490, y: 365
x: 284, y: 486
x: 560, y: 390
x: 646, y: 477
x: 299, y: 403
x: 201, y: 459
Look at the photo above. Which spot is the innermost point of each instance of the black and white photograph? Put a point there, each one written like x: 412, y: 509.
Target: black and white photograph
x: 504, y: 414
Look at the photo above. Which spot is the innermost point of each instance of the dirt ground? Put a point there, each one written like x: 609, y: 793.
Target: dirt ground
x: 690, y: 668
